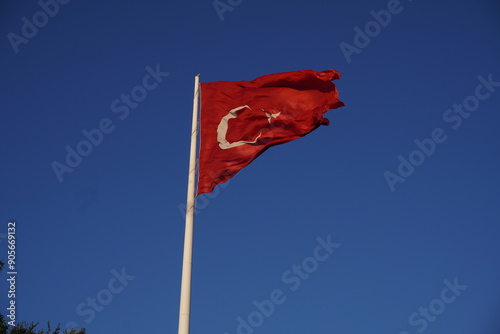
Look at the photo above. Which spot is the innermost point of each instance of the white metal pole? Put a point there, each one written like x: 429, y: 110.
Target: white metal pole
x: 185, y: 303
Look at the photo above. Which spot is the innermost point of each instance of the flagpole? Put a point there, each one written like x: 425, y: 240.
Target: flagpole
x: 185, y: 302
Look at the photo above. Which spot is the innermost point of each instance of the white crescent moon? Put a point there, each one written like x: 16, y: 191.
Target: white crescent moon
x: 223, y: 126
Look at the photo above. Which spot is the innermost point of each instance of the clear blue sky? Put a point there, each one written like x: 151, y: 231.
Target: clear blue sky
x: 402, y: 244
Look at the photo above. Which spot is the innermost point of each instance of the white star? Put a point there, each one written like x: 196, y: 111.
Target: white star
x: 270, y: 116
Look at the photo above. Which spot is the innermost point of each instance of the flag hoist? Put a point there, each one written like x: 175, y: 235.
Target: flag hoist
x: 187, y: 259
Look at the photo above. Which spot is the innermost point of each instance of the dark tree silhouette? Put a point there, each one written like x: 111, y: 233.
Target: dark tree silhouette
x: 30, y: 328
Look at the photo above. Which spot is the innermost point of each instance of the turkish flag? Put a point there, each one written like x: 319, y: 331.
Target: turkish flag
x: 242, y: 119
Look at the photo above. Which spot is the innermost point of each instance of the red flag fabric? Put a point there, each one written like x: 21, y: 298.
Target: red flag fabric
x: 242, y: 119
